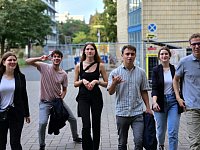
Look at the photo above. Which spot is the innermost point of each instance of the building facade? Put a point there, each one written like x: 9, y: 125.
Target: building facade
x: 51, y: 11
x: 154, y: 23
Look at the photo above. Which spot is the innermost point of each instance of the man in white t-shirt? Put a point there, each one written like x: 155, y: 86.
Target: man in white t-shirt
x: 53, y: 85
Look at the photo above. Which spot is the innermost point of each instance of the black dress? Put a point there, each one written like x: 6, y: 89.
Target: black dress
x: 90, y: 101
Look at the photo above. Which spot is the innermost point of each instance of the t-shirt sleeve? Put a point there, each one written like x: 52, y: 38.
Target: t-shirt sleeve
x: 179, y: 68
x: 41, y: 66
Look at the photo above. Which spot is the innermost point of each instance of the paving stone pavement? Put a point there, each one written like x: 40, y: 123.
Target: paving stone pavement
x: 64, y: 141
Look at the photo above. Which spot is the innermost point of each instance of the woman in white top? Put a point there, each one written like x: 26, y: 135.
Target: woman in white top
x: 165, y: 105
x: 13, y: 102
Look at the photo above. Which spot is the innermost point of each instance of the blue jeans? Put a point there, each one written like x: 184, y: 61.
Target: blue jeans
x: 169, y: 118
x: 44, y: 113
x: 137, y: 125
x: 193, y: 126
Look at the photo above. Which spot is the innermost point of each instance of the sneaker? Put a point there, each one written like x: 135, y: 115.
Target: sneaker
x: 78, y: 140
x: 161, y: 147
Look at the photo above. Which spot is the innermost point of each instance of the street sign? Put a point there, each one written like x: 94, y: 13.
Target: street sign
x: 151, y: 36
x: 152, y: 27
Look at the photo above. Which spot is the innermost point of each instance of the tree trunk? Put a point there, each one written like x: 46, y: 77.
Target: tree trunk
x: 3, y: 39
x: 29, y: 48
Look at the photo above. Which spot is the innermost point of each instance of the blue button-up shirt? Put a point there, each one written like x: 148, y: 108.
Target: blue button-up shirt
x: 128, y: 93
x: 189, y: 69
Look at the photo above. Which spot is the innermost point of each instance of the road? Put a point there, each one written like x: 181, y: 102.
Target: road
x: 64, y: 141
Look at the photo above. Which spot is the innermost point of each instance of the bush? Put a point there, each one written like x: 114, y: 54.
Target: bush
x: 21, y: 54
x: 21, y: 62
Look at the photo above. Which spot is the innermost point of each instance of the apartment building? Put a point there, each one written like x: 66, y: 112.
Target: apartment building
x: 51, y: 39
x: 149, y: 24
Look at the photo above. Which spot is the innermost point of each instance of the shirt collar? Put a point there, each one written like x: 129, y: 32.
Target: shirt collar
x: 122, y: 65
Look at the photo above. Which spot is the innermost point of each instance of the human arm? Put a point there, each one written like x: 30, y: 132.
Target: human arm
x: 77, y: 81
x: 156, y: 107
x: 155, y: 88
x: 34, y: 61
x: 176, y: 86
x: 24, y: 98
x: 115, y: 81
x: 63, y: 93
x: 103, y: 82
x: 145, y: 98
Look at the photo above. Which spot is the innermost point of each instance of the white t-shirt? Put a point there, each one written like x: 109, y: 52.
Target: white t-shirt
x: 168, y: 82
x: 7, y: 88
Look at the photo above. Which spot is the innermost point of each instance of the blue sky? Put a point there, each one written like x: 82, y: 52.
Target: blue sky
x: 80, y: 7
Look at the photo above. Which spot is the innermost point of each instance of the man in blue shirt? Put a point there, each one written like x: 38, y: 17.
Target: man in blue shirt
x: 131, y: 85
x: 188, y: 69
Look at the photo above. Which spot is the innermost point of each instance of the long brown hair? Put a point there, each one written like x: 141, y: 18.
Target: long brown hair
x: 164, y: 48
x: 4, y: 57
x: 96, y: 56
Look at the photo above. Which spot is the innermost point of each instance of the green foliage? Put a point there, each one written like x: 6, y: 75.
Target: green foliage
x: 22, y: 22
x: 72, y: 28
x: 21, y: 54
x: 80, y: 37
x: 110, y: 19
x: 96, y: 23
x: 21, y: 62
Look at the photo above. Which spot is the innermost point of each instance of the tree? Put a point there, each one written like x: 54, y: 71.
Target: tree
x: 110, y: 19
x: 80, y: 37
x: 23, y: 22
x: 72, y: 27
x: 96, y: 25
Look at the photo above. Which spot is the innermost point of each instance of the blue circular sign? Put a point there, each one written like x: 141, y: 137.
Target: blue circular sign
x: 152, y: 27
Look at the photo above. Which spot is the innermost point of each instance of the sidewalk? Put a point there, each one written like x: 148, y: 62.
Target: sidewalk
x: 63, y: 141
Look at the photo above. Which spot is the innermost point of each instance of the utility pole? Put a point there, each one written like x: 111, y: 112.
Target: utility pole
x: 99, y: 36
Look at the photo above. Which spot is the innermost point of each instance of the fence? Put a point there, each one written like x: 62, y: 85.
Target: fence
x: 146, y: 55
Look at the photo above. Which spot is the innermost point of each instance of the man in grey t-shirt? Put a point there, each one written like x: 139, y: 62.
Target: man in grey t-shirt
x: 189, y: 70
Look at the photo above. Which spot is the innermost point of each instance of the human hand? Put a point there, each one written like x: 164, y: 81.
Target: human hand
x: 156, y: 107
x: 87, y: 84
x: 149, y: 111
x: 117, y: 79
x: 45, y: 57
x: 181, y: 103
